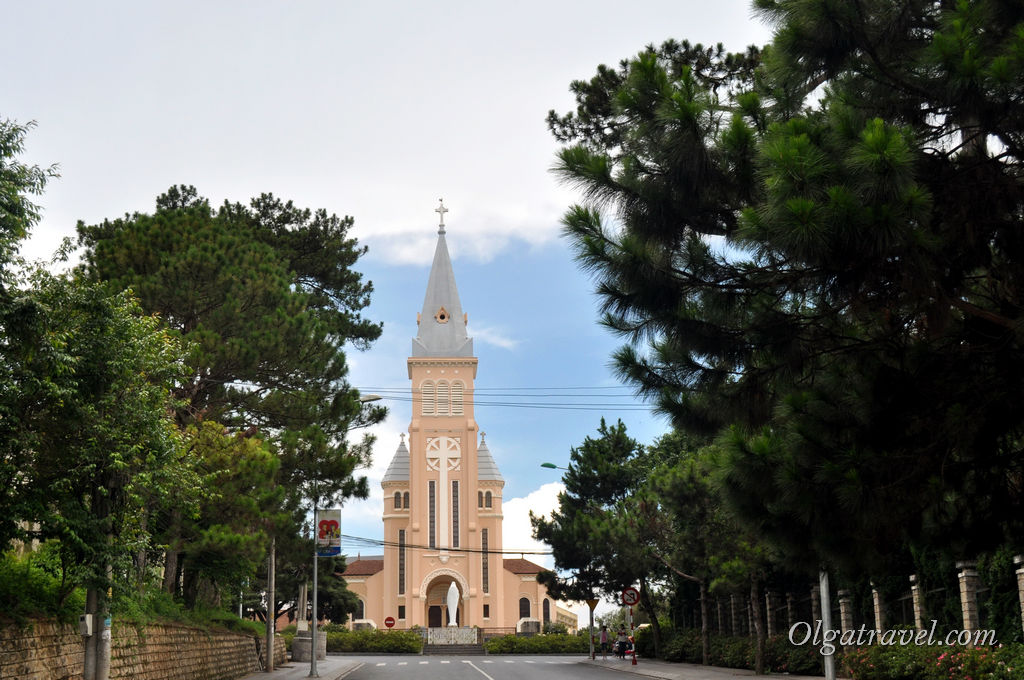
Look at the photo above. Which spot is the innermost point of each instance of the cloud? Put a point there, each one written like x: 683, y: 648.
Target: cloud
x: 517, y: 533
x: 492, y: 336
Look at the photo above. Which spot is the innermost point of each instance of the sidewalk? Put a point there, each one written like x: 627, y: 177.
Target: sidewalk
x: 331, y: 668
x: 684, y: 671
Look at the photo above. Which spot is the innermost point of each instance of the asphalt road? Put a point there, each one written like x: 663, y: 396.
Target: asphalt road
x: 513, y: 667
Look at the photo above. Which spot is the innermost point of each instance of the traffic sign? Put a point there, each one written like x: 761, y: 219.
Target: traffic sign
x: 592, y: 604
x: 630, y: 596
x: 390, y: 622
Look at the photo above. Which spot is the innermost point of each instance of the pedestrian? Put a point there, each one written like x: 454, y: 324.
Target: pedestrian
x: 604, y: 642
x: 621, y: 644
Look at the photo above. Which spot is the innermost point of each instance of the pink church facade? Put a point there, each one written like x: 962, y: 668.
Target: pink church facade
x: 443, y: 496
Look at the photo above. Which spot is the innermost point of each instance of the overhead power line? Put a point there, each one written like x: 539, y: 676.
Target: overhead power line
x: 379, y: 543
x: 569, y: 398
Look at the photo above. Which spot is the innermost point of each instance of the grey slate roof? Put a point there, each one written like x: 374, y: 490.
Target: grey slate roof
x: 398, y: 471
x: 487, y: 469
x: 436, y: 338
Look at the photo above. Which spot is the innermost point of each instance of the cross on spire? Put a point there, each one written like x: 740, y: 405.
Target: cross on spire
x: 441, y: 210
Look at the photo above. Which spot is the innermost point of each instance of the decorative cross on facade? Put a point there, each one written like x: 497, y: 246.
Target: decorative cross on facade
x: 444, y: 455
x: 441, y: 210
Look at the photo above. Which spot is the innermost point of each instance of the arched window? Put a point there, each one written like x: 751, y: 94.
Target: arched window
x: 479, y: 499
x: 405, y: 500
x: 398, y: 500
x: 457, y: 388
x: 360, y: 611
x: 487, y: 499
x: 546, y: 609
x: 524, y: 607
x: 443, y: 407
x: 427, y: 398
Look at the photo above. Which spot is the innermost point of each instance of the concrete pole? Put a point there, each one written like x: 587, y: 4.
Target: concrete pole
x: 313, y: 673
x: 826, y: 621
x: 271, y: 606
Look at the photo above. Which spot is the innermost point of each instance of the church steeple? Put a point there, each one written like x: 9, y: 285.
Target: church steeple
x: 442, y: 325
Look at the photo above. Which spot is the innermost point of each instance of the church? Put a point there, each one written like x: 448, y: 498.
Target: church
x: 443, y: 495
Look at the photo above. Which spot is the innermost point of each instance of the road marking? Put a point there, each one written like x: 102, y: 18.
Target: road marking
x: 529, y: 662
x: 479, y: 669
x: 403, y: 663
x: 507, y: 661
x: 383, y: 663
x: 424, y: 663
x: 446, y: 662
x: 488, y: 662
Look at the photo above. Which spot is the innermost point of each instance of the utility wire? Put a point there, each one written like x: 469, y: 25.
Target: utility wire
x: 410, y: 546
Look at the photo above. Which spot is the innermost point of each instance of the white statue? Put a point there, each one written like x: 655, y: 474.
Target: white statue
x: 453, y: 603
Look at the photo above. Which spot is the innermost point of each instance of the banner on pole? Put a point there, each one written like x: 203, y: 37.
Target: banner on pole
x: 328, y: 533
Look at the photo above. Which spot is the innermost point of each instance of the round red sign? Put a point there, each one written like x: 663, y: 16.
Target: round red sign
x: 630, y: 596
x: 390, y: 622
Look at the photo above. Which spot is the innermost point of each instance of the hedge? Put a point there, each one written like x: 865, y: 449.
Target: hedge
x: 554, y: 643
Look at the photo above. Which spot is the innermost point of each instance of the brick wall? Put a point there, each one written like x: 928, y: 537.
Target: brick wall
x: 46, y: 650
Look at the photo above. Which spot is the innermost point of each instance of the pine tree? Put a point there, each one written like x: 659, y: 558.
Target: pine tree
x: 815, y: 250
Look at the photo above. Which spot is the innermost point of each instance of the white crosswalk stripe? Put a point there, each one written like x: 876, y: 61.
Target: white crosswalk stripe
x: 446, y: 662
x: 383, y: 663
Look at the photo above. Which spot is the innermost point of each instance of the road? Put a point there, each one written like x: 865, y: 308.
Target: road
x: 518, y: 667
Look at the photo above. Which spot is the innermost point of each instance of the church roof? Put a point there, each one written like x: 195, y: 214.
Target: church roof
x: 442, y: 325
x: 364, y: 566
x: 487, y: 469
x: 520, y: 566
x: 398, y: 471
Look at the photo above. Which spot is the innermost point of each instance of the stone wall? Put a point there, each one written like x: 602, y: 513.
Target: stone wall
x: 46, y: 650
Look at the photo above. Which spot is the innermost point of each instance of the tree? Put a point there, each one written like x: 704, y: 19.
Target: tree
x: 266, y: 298
x: 816, y: 253
x: 18, y: 181
x: 87, y: 419
x: 598, y: 533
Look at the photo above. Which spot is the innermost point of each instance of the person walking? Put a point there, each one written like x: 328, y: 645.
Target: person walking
x: 621, y: 644
x: 604, y: 642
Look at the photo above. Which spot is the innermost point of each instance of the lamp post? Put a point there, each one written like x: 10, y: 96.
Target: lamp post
x: 313, y: 673
x: 592, y: 602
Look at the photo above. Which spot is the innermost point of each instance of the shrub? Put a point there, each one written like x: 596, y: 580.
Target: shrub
x: 914, y: 662
x: 340, y: 639
x: 556, y: 643
x: 29, y: 588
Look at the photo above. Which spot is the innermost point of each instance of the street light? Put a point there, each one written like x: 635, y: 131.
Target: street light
x: 363, y: 399
x: 552, y: 466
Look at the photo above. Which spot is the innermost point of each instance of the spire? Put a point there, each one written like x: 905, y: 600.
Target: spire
x: 487, y: 469
x: 398, y: 471
x: 442, y: 325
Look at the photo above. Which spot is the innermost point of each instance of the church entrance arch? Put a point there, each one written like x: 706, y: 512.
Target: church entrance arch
x: 439, y: 618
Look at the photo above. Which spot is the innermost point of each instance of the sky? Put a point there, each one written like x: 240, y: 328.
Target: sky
x: 374, y: 110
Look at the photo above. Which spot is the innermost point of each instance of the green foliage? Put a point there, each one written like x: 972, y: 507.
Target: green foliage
x: 373, y: 641
x: 29, y: 588
x: 812, y: 252
x: 86, y: 421
x: 265, y: 299
x: 18, y: 181
x: 913, y: 662
x: 556, y: 643
x: 733, y: 652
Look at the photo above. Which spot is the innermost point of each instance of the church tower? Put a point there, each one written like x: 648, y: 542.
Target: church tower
x: 442, y: 492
